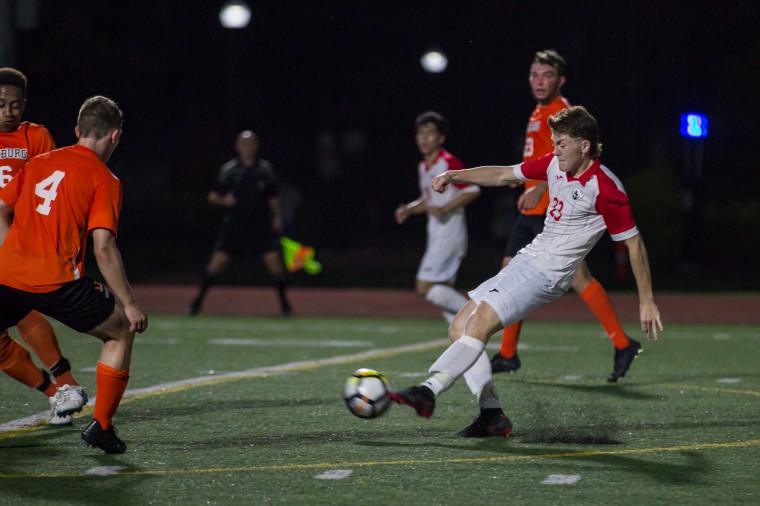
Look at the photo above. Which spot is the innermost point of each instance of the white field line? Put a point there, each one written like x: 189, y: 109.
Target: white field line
x: 38, y: 418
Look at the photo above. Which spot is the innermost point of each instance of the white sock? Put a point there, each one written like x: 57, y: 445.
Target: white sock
x: 457, y: 358
x: 479, y: 375
x: 446, y: 298
x: 439, y: 382
x: 489, y: 397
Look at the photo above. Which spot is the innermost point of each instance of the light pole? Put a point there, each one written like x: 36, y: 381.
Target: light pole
x: 235, y: 16
x: 694, y: 130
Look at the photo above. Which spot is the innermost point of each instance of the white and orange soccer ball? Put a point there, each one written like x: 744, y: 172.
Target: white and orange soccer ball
x: 366, y: 393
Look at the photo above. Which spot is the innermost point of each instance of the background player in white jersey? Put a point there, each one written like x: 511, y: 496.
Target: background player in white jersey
x: 446, y: 226
x: 585, y: 200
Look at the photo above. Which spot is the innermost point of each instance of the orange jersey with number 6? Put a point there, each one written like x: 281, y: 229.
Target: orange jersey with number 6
x: 21, y: 145
x: 58, y: 199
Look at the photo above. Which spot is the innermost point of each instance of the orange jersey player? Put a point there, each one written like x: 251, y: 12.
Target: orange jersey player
x: 538, y: 142
x: 59, y: 199
x: 18, y: 145
x: 19, y: 142
x: 547, y: 76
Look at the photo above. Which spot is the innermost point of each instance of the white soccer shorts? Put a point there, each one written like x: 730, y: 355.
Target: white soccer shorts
x: 516, y: 290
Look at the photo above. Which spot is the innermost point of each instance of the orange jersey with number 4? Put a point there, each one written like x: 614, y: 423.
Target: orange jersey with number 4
x: 19, y: 146
x: 538, y: 142
x: 58, y: 199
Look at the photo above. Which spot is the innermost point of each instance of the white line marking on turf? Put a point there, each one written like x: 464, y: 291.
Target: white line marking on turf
x: 216, y: 326
x: 728, y: 380
x: 291, y: 342
x: 149, y: 340
x: 201, y: 380
x: 570, y: 377
x: 561, y: 479
x: 103, y: 470
x: 335, y: 474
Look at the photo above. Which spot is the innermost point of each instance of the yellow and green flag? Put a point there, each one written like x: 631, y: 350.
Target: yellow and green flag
x: 297, y: 256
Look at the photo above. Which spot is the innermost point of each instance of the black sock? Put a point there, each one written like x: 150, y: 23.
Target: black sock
x: 281, y: 284
x: 207, y: 282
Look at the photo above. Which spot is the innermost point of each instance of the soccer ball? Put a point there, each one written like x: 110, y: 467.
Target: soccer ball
x: 366, y: 393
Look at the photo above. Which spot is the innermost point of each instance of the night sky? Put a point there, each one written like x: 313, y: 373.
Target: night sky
x: 333, y: 88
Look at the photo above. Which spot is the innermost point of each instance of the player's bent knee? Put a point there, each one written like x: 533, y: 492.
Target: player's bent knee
x: 482, y: 322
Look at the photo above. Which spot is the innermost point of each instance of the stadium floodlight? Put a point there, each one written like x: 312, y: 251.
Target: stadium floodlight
x: 235, y: 14
x: 434, y: 61
x: 694, y: 125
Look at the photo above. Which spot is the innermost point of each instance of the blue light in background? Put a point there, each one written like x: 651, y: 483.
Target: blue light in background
x: 694, y: 125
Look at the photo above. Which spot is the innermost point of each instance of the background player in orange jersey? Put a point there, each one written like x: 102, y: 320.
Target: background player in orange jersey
x: 446, y: 222
x: 59, y: 199
x: 548, y: 73
x: 20, y: 142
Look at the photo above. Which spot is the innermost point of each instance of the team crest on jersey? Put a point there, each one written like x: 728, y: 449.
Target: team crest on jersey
x: 577, y: 194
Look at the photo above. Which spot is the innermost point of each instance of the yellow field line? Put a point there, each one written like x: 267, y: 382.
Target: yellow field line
x: 343, y: 465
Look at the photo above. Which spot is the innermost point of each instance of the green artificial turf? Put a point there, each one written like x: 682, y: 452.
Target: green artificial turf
x: 249, y: 411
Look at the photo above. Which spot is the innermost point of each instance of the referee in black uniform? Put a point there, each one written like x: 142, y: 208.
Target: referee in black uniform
x: 247, y: 190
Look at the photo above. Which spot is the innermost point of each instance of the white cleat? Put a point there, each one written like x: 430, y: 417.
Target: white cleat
x: 61, y: 421
x: 68, y: 399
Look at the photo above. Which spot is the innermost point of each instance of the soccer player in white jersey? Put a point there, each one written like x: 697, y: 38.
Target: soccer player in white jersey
x: 446, y: 225
x: 585, y: 199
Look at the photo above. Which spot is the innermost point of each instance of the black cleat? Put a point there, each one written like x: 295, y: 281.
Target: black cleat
x: 106, y: 440
x: 623, y: 360
x: 491, y: 422
x: 420, y: 398
x: 500, y: 363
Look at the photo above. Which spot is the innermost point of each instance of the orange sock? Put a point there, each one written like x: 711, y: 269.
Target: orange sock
x: 17, y: 363
x: 37, y: 332
x: 111, y: 384
x: 509, y: 339
x: 597, y: 300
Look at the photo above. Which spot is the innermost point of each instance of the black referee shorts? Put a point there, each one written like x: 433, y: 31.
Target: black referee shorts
x: 81, y: 305
x: 235, y: 240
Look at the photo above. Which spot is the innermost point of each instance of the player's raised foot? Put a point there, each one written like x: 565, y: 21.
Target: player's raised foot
x: 623, y: 360
x: 420, y: 398
x: 491, y: 422
x: 68, y: 399
x: 61, y: 421
x: 106, y: 440
x: 500, y: 363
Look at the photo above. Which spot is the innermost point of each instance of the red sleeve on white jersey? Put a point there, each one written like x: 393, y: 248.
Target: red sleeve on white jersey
x: 455, y: 164
x: 614, y: 206
x: 534, y: 169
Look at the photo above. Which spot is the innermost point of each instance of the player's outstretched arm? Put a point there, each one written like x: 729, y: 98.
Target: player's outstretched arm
x: 487, y: 175
x: 111, y: 267
x: 463, y: 200
x: 649, y: 314
x: 404, y: 211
